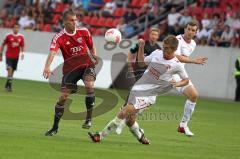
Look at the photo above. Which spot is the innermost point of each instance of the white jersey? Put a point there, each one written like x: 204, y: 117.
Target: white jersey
x: 155, y: 80
x: 185, y: 48
x: 159, y: 70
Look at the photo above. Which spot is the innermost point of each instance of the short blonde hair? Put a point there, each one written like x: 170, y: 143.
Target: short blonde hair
x: 171, y: 40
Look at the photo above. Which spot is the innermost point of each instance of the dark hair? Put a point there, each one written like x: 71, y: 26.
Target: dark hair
x: 68, y: 12
x: 193, y: 23
x: 171, y: 40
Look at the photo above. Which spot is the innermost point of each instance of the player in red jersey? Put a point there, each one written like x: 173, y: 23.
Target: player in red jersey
x: 79, y: 63
x: 15, y: 45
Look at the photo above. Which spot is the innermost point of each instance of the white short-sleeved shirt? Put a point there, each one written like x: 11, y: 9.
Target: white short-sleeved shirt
x: 155, y: 80
x: 159, y: 70
x: 185, y: 48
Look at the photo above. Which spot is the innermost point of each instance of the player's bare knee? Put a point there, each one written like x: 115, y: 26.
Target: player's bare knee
x: 193, y: 97
x: 130, y: 122
x: 63, y: 98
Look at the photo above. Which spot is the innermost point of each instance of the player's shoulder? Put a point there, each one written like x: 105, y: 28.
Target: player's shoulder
x: 157, y: 52
x: 82, y: 29
x: 179, y: 37
x: 8, y: 34
x: 58, y: 35
x: 21, y: 35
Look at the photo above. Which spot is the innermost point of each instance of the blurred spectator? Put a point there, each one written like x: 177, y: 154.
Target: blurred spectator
x: 129, y: 15
x: 215, y: 36
x: 95, y: 5
x: 173, y: 18
x: 214, y: 21
x: 184, y: 19
x: 235, y: 25
x: 23, y: 21
x: 109, y: 8
x: 205, y: 31
x: 210, y: 3
x: 226, y: 37
x: 121, y: 26
x: 229, y: 10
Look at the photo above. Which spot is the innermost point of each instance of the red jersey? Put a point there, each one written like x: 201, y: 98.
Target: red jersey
x: 74, y: 48
x: 14, y: 42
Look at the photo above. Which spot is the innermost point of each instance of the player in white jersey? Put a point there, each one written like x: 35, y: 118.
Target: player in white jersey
x: 185, y: 48
x: 156, y: 80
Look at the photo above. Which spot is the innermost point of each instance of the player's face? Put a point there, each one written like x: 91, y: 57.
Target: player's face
x: 153, y: 36
x: 70, y: 22
x: 168, y: 51
x: 190, y: 31
x: 15, y: 29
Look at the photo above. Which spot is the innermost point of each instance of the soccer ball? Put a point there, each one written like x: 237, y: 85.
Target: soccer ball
x: 113, y: 36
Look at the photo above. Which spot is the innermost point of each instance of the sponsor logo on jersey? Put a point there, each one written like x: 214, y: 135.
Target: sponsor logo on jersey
x: 79, y: 40
x: 75, y: 50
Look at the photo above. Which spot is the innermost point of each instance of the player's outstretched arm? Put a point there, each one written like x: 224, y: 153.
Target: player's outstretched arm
x: 141, y: 56
x: 198, y: 60
x: 181, y: 83
x: 47, y: 72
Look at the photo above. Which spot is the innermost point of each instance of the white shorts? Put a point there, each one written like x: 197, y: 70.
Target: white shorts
x: 142, y: 102
x: 177, y: 78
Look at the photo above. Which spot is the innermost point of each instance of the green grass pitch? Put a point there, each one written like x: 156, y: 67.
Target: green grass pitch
x: 27, y: 113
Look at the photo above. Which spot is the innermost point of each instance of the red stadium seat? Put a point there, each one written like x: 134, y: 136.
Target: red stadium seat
x: 105, y: 1
x: 119, y: 12
x: 98, y: 31
x: 59, y: 8
x: 135, y: 4
x: 47, y: 28
x: 86, y: 19
x: 55, y: 18
x: 93, y: 21
x: 137, y: 11
x: 116, y: 22
x: 101, y: 22
x: 109, y: 23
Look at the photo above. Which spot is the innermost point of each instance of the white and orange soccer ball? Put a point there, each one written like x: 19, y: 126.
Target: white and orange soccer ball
x: 113, y: 35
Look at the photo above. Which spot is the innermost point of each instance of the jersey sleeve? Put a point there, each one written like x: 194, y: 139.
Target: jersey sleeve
x: 182, y: 72
x: 5, y: 40
x: 149, y: 58
x: 54, y: 44
x: 22, y: 42
x: 89, y: 41
x: 134, y: 49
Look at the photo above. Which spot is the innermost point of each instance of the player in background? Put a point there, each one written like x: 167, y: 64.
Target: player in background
x: 79, y: 63
x: 150, y: 46
x: 185, y: 48
x: 156, y: 80
x: 15, y: 45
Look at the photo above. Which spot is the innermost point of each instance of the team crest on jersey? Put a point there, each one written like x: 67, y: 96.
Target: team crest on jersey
x: 79, y: 40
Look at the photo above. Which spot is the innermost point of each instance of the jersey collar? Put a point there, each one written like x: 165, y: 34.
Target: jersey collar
x: 69, y: 33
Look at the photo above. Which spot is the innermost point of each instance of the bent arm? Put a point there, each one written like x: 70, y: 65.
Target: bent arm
x: 186, y: 59
x: 141, y: 56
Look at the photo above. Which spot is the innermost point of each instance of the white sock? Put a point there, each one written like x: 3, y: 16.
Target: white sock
x: 111, y: 126
x: 136, y: 131
x: 188, y: 111
x: 121, y: 126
